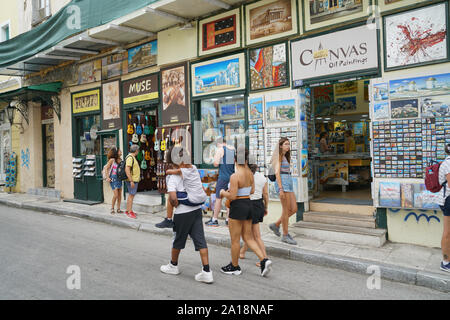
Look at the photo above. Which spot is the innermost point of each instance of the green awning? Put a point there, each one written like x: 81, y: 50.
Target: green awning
x: 74, y: 18
x: 31, y: 92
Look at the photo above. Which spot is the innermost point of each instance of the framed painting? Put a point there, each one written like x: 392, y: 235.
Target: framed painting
x: 319, y: 13
x: 268, y: 67
x: 111, y: 105
x: 143, y: 56
x: 270, y: 19
x: 388, y: 5
x: 175, y: 92
x: 219, y: 33
x: 416, y: 37
x: 219, y: 75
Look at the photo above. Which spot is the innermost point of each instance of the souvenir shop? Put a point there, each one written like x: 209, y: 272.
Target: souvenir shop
x: 140, y: 101
x: 336, y: 103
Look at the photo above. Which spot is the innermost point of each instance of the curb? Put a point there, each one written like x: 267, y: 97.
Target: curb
x: 388, y: 272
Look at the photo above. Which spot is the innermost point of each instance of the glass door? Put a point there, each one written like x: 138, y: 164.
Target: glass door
x: 49, y: 155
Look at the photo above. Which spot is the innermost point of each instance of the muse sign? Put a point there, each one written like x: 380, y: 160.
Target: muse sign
x: 320, y: 58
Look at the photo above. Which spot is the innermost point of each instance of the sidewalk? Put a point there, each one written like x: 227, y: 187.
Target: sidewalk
x: 398, y: 262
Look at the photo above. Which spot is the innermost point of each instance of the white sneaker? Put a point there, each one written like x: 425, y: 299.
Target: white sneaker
x: 204, y: 276
x: 170, y: 269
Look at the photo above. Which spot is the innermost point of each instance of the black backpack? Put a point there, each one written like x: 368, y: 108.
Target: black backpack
x: 121, y: 174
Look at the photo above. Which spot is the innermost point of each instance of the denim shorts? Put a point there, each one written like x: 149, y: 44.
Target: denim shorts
x: 446, y: 207
x: 286, y: 183
x: 115, y: 183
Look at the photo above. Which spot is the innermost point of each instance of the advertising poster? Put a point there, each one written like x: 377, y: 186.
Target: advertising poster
x: 175, y: 95
x: 111, y: 105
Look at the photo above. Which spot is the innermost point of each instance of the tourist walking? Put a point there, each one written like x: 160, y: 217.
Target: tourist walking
x: 114, y: 158
x: 240, y: 219
x: 281, y: 164
x: 260, y: 202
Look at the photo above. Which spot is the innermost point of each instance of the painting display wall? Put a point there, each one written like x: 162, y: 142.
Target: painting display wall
x: 220, y: 33
x: 270, y: 19
x: 416, y: 37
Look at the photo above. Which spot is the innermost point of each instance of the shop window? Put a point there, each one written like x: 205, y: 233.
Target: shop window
x: 223, y: 119
x: 87, y: 135
x: 4, y: 32
x: 41, y: 11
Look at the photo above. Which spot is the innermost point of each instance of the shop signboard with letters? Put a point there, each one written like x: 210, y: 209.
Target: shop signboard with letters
x: 348, y: 52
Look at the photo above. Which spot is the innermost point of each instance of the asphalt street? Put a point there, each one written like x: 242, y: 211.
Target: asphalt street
x: 38, y: 253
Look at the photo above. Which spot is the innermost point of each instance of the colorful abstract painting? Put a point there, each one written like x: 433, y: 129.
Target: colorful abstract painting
x: 268, y: 67
x: 417, y: 36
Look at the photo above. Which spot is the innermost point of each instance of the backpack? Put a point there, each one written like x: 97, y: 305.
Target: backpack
x: 121, y: 174
x: 432, y: 177
x: 193, y: 185
x: 104, y: 174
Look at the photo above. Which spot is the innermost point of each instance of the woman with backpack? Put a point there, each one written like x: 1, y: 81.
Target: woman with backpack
x: 114, y: 159
x: 444, y: 181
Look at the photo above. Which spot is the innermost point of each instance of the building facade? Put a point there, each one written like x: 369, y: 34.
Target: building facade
x: 283, y: 68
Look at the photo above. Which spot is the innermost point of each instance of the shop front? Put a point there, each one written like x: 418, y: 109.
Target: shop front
x: 332, y: 72
x: 219, y: 103
x: 86, y: 144
x: 140, y: 101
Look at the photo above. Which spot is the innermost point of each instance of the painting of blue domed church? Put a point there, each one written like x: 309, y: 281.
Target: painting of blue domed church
x: 420, y: 86
x: 217, y: 76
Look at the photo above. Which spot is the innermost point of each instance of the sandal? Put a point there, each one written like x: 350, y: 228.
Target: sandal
x: 258, y: 264
x: 119, y: 211
x: 112, y: 211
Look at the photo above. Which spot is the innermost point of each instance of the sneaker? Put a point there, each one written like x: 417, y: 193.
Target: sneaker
x: 131, y: 214
x: 275, y: 229
x: 445, y: 267
x: 166, y: 223
x: 170, y: 269
x: 211, y: 223
x: 204, y: 276
x: 288, y: 239
x: 266, y: 267
x: 226, y: 222
x: 230, y: 269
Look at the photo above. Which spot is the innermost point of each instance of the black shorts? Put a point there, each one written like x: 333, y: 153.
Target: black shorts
x: 189, y: 223
x: 258, y: 211
x: 241, y: 209
x: 446, y: 207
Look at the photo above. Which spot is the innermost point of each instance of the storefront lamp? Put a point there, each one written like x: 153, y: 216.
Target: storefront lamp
x: 11, y: 111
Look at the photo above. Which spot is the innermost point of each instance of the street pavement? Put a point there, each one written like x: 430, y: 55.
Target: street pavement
x: 38, y: 249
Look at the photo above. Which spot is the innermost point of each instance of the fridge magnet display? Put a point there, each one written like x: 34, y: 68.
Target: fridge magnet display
x: 280, y: 111
x: 318, y: 14
x: 416, y: 37
x: 175, y: 95
x: 390, y: 194
x: 270, y: 19
x: 381, y: 110
x: 438, y: 84
x: 219, y: 33
x: 404, y: 109
x: 380, y: 92
x: 437, y: 106
x: 143, y: 56
x: 111, y: 105
x: 268, y: 67
x: 219, y: 75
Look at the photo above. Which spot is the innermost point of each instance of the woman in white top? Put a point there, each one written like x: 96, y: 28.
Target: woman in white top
x: 260, y: 201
